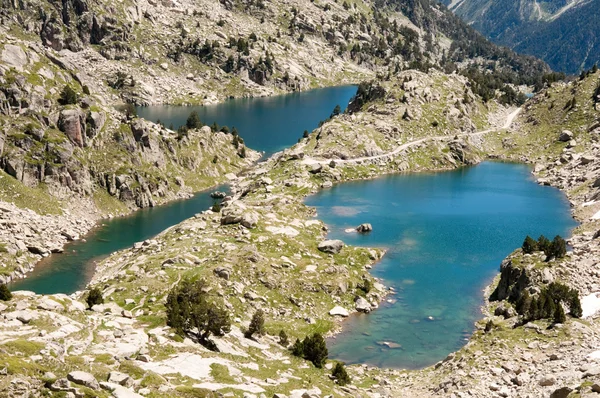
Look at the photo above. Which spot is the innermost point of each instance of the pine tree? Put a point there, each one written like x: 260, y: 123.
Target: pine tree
x: 193, y: 121
x: 558, y: 247
x: 543, y: 243
x: 283, y: 338
x: 189, y: 311
x: 5, y: 294
x: 68, y: 96
x: 575, y: 305
x: 529, y: 245
x: 298, y: 348
x: 315, y: 350
x: 94, y: 297
x: 257, y: 324
x: 559, y: 314
x: 340, y: 374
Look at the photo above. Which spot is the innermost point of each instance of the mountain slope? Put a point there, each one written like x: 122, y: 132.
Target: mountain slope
x: 563, y: 33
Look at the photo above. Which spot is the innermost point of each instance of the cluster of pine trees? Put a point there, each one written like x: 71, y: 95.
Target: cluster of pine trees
x: 557, y: 248
x: 548, y: 304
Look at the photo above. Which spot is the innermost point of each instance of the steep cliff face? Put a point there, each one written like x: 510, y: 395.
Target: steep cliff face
x: 513, y: 281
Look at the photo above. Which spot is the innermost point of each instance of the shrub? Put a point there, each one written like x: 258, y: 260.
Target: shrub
x: 130, y: 110
x: 68, y: 96
x: 86, y: 90
x: 366, y: 285
x: 5, y: 294
x: 94, y: 297
x: 340, y: 374
x: 190, y: 312
x: 283, y: 338
x: 193, y: 121
x: 529, y: 245
x: 257, y: 324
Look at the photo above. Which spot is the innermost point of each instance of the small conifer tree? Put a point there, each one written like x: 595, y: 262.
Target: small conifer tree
x: 94, y: 297
x: 340, y: 374
x: 5, y: 294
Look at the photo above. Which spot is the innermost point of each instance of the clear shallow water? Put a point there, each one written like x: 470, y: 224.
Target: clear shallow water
x: 447, y: 234
x: 268, y: 124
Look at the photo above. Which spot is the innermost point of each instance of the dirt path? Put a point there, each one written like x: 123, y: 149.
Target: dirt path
x: 509, y: 120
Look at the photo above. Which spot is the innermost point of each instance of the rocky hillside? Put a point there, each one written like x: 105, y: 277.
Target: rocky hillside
x: 203, y: 52
x: 561, y: 32
x: 67, y: 158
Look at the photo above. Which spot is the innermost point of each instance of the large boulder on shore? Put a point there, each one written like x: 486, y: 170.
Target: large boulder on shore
x: 362, y: 305
x: 331, y: 246
x: 339, y: 311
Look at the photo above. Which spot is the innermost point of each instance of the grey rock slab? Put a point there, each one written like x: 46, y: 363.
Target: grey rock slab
x: 339, y: 311
x: 331, y: 246
x: 84, y: 379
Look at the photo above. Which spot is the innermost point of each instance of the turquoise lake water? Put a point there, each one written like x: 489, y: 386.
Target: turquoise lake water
x: 446, y: 234
x: 266, y: 124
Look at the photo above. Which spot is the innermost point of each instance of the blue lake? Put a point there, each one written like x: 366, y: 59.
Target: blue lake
x: 446, y: 234
x: 266, y: 124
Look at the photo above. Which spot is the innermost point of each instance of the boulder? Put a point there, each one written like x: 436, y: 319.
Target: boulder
x: 339, y: 311
x: 120, y: 378
x: 84, y: 379
x: 140, y: 132
x: 565, y: 136
x: 14, y: 56
x: 49, y: 305
x: 61, y: 384
x: 96, y: 121
x: 25, y: 316
x: 363, y: 228
x: 362, y: 305
x: 331, y: 246
x: 563, y: 392
x: 316, y: 168
x: 69, y: 122
x: 547, y: 380
x: 249, y: 220
x: 222, y: 272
